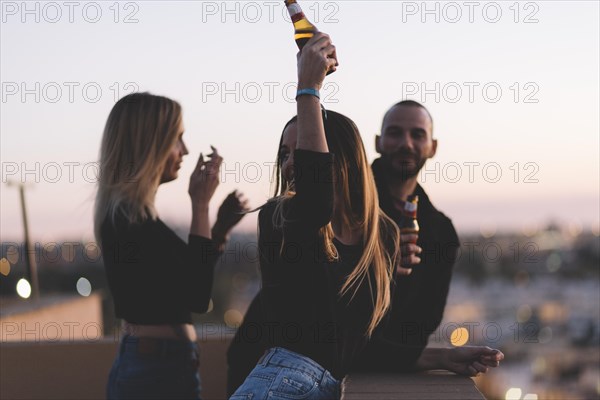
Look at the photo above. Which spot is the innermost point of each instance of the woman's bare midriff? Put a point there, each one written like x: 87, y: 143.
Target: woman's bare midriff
x: 171, y: 331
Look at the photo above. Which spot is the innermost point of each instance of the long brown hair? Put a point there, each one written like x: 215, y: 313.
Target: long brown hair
x: 358, y: 209
x: 140, y: 131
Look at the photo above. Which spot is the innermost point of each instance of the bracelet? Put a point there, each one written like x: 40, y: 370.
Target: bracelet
x: 311, y: 92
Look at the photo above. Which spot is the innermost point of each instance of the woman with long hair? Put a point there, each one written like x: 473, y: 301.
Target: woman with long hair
x: 157, y: 280
x: 327, y: 252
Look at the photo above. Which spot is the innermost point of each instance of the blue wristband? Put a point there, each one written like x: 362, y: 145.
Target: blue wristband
x: 311, y: 92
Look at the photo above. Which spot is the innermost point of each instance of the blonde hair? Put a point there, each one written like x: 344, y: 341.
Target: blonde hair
x: 358, y: 209
x: 140, y: 131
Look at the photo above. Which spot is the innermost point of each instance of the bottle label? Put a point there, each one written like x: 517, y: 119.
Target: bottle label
x: 294, y: 9
x: 299, y: 17
x: 410, y: 207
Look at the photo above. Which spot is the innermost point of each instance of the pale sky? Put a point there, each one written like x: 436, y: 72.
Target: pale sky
x: 513, y: 89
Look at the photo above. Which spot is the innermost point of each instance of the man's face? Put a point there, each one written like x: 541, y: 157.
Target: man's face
x: 406, y: 141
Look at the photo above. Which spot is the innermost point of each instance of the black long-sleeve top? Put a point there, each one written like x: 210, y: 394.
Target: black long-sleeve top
x: 153, y: 275
x: 301, y: 307
x: 417, y: 305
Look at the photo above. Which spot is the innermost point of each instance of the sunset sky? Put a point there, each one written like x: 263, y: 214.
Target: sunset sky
x: 513, y: 89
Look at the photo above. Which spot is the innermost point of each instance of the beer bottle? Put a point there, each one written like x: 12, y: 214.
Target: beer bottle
x: 303, y: 29
x: 408, y: 223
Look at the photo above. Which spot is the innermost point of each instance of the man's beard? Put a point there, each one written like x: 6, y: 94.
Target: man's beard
x: 402, y: 171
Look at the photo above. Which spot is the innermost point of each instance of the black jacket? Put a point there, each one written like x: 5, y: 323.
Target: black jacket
x: 419, y: 298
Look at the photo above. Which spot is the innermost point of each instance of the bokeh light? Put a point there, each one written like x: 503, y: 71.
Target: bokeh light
x: 488, y: 229
x: 4, y: 267
x: 596, y: 232
x: 92, y: 251
x: 459, y: 337
x: 84, y: 287
x: 539, y: 366
x: 530, y: 229
x: 23, y: 288
x: 67, y: 252
x: 545, y: 335
x: 554, y: 312
x: 233, y: 318
x: 12, y: 254
x: 524, y: 313
x: 513, y: 394
x: 574, y: 228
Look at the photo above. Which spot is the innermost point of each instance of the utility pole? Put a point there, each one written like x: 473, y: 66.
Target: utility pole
x: 30, y: 262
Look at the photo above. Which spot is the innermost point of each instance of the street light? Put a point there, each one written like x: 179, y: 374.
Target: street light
x: 30, y: 263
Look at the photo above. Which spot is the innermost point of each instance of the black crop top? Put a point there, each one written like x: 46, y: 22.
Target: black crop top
x: 153, y: 275
x: 299, y: 301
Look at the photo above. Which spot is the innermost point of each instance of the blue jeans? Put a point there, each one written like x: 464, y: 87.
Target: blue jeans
x: 283, y: 374
x: 147, y: 368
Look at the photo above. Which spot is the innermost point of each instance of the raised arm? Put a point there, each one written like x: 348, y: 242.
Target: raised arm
x: 317, y: 56
x: 312, y: 206
x: 201, y: 253
x: 203, y: 183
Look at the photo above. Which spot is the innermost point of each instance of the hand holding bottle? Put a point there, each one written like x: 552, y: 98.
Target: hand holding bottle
x: 314, y: 61
x: 410, y: 252
x: 409, y: 234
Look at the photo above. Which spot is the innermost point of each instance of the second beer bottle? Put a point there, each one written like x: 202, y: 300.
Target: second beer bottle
x: 408, y: 224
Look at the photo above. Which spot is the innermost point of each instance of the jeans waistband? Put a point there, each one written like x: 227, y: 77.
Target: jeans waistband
x: 286, y: 358
x: 158, y: 347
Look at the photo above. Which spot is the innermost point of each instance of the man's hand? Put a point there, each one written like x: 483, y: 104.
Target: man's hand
x: 471, y: 360
x: 409, y: 251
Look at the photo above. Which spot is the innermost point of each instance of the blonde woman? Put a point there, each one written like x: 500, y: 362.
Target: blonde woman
x: 157, y: 280
x: 327, y: 252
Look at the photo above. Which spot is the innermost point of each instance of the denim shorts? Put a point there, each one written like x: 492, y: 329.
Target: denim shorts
x: 148, y: 368
x: 283, y: 374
